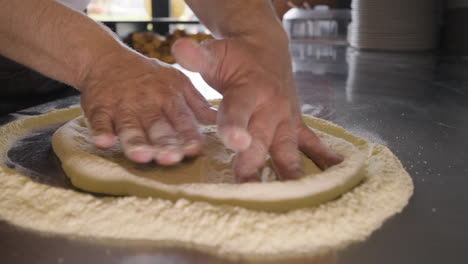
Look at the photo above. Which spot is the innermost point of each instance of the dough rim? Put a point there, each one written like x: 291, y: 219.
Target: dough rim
x: 269, y: 196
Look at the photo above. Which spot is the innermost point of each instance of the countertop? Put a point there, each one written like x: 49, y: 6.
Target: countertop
x: 416, y: 104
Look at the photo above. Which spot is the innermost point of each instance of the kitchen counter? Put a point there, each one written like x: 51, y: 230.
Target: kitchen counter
x: 416, y: 104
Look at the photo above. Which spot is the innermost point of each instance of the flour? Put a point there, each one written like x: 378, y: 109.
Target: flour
x: 222, y: 229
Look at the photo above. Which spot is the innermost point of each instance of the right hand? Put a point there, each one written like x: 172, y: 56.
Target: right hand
x: 259, y: 115
x: 152, y: 107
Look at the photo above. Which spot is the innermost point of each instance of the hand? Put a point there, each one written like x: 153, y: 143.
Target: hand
x: 259, y: 114
x: 149, y: 105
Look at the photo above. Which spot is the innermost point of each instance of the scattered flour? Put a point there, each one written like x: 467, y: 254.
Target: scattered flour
x: 220, y: 229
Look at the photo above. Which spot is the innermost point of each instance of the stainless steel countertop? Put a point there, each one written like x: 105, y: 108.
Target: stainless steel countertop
x: 417, y: 104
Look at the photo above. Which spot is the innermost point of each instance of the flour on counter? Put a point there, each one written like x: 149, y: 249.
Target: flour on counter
x: 221, y: 229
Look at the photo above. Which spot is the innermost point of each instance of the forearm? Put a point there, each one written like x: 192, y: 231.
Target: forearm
x: 53, y: 39
x: 227, y: 18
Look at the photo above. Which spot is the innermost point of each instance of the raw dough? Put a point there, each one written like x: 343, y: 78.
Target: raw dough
x: 223, y: 229
x: 208, y: 177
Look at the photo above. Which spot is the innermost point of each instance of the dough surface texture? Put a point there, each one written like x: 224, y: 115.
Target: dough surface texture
x: 208, y: 177
x: 219, y: 228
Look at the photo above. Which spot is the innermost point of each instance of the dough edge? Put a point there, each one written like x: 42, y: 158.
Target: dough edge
x: 80, y: 167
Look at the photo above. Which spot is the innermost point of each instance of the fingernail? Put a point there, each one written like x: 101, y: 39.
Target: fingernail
x: 103, y: 141
x: 192, y: 146
x: 236, y: 139
x: 169, y: 156
x: 141, y: 154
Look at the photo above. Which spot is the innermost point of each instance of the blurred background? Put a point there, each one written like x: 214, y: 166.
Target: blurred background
x: 404, y: 25
x: 326, y: 36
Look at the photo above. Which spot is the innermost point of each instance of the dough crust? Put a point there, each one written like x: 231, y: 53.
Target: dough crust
x: 208, y: 177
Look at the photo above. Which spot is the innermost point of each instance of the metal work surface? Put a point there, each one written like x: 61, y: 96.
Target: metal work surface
x: 416, y: 104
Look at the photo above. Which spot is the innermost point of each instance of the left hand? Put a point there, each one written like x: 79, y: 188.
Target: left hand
x: 259, y: 113
x: 152, y: 107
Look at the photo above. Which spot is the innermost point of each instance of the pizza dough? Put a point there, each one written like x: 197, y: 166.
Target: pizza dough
x: 222, y: 229
x: 208, y: 177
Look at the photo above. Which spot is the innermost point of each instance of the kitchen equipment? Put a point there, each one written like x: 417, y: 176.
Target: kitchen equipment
x: 321, y: 23
x: 397, y: 25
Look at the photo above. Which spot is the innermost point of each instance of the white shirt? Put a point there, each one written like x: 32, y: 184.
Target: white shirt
x: 79, y: 5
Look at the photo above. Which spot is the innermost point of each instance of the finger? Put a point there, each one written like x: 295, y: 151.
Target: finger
x: 132, y: 137
x: 233, y: 118
x: 248, y: 163
x: 183, y: 121
x: 168, y: 150
x: 100, y: 122
x: 311, y: 145
x: 193, y: 56
x: 233, y: 122
x: 204, y: 112
x: 285, y: 154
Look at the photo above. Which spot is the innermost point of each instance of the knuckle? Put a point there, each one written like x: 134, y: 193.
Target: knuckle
x: 165, y: 141
x: 182, y: 115
x: 308, y: 138
x: 260, y: 136
x: 245, y: 170
x: 97, y: 110
x: 258, y: 133
x: 125, y: 118
x: 131, y: 135
x: 123, y: 124
x: 159, y: 129
x: 150, y: 118
x: 125, y: 107
x: 203, y: 108
x: 100, y: 119
x: 287, y: 159
x: 258, y: 146
x: 100, y: 125
x: 286, y: 139
x: 189, y: 134
x: 136, y: 140
x: 184, y: 123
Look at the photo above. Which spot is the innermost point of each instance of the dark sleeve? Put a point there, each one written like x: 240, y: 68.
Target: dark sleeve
x: 17, y: 81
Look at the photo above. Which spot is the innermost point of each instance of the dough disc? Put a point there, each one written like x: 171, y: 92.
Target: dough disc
x: 208, y: 177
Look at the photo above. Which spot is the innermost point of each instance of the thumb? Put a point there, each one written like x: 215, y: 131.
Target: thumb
x: 193, y: 56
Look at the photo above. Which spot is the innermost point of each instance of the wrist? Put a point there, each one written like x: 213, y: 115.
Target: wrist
x: 248, y: 17
x: 98, y: 65
x: 271, y: 39
x: 95, y: 49
x: 270, y: 34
